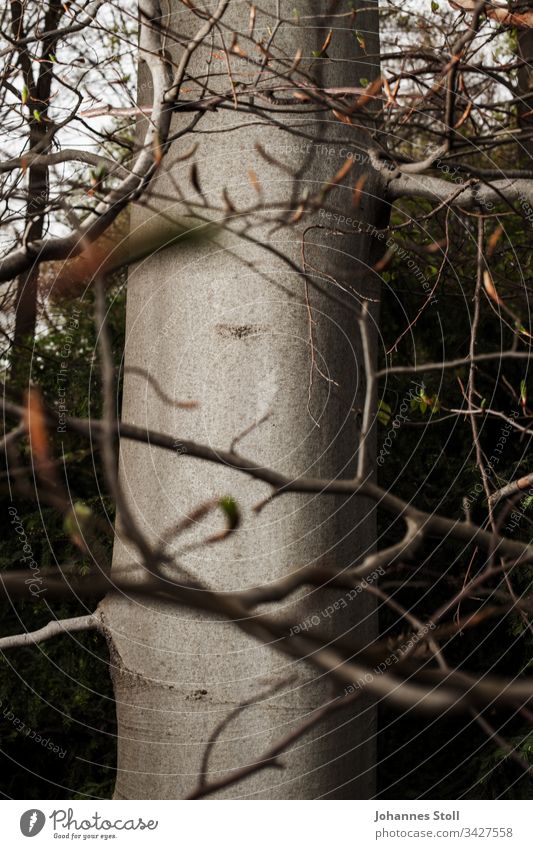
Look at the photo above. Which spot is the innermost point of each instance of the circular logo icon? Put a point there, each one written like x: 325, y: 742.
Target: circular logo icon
x: 32, y: 822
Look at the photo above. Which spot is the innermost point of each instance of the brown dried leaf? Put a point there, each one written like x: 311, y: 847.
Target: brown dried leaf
x: 35, y: 422
x: 297, y: 59
x: 301, y: 95
x: 342, y: 117
x: 254, y: 180
x: 370, y: 93
x: 158, y: 150
x: 490, y: 288
x: 464, y: 116
x: 494, y: 239
x: 435, y: 247
x: 297, y: 214
x: 251, y: 22
x: 236, y: 49
x: 341, y: 173
x: 358, y: 190
x: 327, y: 42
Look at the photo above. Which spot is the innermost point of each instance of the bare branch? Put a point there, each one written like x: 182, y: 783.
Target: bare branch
x: 54, y: 628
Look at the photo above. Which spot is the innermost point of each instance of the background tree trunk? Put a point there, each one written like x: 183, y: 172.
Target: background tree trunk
x: 525, y: 85
x: 227, y: 324
x: 40, y: 139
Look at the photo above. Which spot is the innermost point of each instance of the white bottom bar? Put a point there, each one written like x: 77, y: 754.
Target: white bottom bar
x: 262, y: 825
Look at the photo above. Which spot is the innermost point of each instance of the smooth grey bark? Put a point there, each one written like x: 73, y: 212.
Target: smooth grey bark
x: 226, y: 323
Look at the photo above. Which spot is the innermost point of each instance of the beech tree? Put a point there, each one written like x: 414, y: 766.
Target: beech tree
x: 283, y: 162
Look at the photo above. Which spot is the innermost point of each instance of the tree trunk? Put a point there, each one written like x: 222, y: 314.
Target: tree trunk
x: 40, y: 139
x: 226, y: 324
x: 525, y: 87
x: 27, y: 284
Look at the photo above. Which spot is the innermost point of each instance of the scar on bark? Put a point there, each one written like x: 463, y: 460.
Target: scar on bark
x: 196, y: 696
x: 239, y: 331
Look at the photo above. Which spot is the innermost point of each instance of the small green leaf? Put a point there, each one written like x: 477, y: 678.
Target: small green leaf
x: 229, y: 507
x: 527, y: 502
x: 434, y: 6
x: 384, y: 412
x: 98, y: 174
x: 78, y: 517
x: 37, y: 115
x: 360, y: 39
x: 24, y: 95
x: 435, y: 405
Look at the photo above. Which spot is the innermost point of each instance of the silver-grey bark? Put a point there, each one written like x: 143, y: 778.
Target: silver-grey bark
x: 226, y: 323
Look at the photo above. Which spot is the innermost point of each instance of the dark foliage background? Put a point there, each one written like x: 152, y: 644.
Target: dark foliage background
x: 66, y: 695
